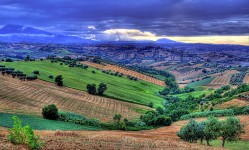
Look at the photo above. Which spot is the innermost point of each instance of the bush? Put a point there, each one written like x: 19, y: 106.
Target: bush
x: 36, y: 72
x: 102, y: 88
x: 246, y: 110
x: 91, y: 89
x: 50, y: 76
x: 59, y: 80
x: 8, y: 60
x: 23, y: 135
x: 151, y: 105
x: 162, y: 121
x: 50, y: 112
x: 78, y: 119
x: 176, y: 114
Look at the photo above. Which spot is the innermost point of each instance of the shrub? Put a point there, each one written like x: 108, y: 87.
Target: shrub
x: 176, y: 114
x: 117, y: 117
x: 151, y: 105
x: 24, y: 135
x: 246, y: 110
x: 91, y: 89
x: 102, y: 88
x: 36, y: 72
x: 8, y: 60
x: 77, y: 119
x: 50, y: 76
x: 50, y: 112
x: 59, y: 80
x: 162, y: 121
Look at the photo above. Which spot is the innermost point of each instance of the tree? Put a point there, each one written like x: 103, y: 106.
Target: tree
x: 91, y: 88
x: 102, y: 88
x: 231, y: 130
x: 27, y: 58
x: 212, y: 129
x: 117, y: 117
x: 160, y: 110
x: 59, y: 80
x: 189, y: 132
x: 50, y: 112
x: 151, y: 105
x: 162, y: 121
x: 36, y: 72
x: 200, y: 131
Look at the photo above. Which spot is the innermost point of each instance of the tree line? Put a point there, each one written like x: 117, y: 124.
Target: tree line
x: 229, y: 130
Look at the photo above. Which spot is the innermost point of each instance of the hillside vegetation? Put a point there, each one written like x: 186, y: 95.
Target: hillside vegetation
x: 121, y: 88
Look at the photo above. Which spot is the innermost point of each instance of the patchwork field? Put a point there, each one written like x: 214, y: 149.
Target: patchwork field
x: 121, y: 88
x: 185, y: 76
x: 222, y: 79
x: 115, y: 68
x: 31, y: 96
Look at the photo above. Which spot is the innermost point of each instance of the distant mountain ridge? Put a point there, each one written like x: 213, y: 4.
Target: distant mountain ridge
x: 19, y: 33
x: 15, y: 29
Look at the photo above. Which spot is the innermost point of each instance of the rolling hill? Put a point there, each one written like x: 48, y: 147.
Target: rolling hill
x: 121, y: 88
x: 29, y: 97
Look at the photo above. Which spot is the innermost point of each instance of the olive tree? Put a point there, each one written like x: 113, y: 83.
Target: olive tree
x: 231, y: 130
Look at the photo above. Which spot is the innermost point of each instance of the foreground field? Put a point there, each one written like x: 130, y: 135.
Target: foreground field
x: 162, y: 138
x: 31, y: 96
x: 125, y: 71
x: 121, y: 88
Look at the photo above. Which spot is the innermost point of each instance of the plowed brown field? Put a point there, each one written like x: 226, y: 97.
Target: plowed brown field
x: 125, y: 71
x: 31, y: 96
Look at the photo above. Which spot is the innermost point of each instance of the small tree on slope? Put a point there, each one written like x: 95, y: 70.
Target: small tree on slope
x: 231, y: 130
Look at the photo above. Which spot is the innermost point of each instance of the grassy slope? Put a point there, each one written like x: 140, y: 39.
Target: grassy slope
x: 201, y: 82
x: 42, y: 124
x: 239, y: 145
x: 118, y: 87
x: 195, y: 94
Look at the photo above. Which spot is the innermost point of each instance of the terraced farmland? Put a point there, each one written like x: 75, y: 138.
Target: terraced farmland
x: 125, y: 71
x: 30, y: 96
x: 223, y: 79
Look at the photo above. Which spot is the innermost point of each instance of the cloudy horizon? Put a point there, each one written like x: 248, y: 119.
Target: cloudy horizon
x: 193, y: 21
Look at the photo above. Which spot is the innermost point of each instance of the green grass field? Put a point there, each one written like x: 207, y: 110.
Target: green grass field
x: 201, y: 82
x: 194, y: 94
x: 42, y: 124
x: 239, y: 145
x: 121, y: 88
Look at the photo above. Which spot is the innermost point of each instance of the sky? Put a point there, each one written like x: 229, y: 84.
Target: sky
x: 194, y: 21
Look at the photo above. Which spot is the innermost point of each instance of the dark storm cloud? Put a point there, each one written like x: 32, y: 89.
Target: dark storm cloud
x: 163, y: 17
